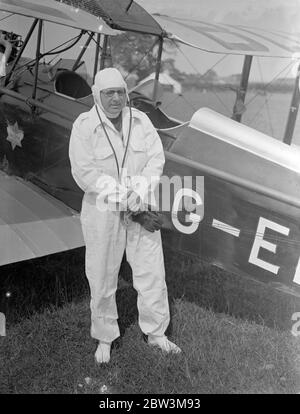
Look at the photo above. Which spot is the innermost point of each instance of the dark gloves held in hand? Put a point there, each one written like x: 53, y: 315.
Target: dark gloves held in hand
x: 150, y: 220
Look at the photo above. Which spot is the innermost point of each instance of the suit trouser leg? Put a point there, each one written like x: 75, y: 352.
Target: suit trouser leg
x: 105, y: 238
x: 145, y: 256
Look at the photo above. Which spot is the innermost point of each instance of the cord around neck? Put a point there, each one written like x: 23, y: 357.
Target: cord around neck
x: 110, y: 143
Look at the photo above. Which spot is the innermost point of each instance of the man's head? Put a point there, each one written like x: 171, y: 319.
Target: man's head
x: 110, y: 91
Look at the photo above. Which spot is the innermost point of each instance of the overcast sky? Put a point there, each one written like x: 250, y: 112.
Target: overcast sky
x: 283, y: 15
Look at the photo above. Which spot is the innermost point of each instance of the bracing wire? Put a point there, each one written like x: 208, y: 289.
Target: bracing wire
x: 27, y: 64
x: 260, y: 108
x: 202, y: 75
x: 143, y: 57
x: 194, y: 67
x: 183, y: 97
x: 171, y: 102
x: 189, y: 103
x: 266, y: 100
x: 271, y: 81
x: 250, y: 100
x: 51, y: 51
x: 6, y: 17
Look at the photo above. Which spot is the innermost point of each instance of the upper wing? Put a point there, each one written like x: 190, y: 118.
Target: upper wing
x: 57, y: 12
x: 33, y: 223
x: 229, y: 39
x: 120, y: 14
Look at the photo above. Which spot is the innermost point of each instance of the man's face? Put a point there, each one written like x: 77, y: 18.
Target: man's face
x: 113, y: 100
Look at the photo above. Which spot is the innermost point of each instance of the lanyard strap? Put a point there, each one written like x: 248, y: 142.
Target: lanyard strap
x: 110, y: 143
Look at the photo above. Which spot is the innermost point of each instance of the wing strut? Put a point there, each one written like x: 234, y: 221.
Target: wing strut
x: 158, y: 67
x: 37, y: 59
x: 97, y: 52
x: 104, y: 52
x: 290, y: 125
x: 239, y: 107
x: 77, y: 62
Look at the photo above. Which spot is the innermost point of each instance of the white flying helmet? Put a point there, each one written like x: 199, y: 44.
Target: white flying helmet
x: 106, y: 79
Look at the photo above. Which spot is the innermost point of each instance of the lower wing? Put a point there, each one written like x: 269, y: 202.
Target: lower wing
x: 34, y: 223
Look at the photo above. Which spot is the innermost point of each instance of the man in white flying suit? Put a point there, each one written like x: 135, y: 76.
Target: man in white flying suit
x: 113, y: 141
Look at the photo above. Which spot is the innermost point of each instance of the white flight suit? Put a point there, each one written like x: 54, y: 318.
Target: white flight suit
x: 105, y: 234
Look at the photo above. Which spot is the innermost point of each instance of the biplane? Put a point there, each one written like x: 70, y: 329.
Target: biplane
x: 246, y: 210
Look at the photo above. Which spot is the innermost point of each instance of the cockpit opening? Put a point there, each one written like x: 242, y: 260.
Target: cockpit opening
x: 71, y: 84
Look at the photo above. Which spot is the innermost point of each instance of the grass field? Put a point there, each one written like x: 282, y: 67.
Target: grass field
x: 235, y: 335
x: 52, y: 353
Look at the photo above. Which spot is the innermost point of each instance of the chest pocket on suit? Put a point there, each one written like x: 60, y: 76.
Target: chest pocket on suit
x: 138, y: 151
x: 104, y: 158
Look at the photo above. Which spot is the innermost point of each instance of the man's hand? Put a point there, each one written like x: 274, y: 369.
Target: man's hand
x: 150, y: 220
x: 133, y: 201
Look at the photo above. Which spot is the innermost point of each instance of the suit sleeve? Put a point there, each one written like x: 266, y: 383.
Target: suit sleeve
x: 153, y: 169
